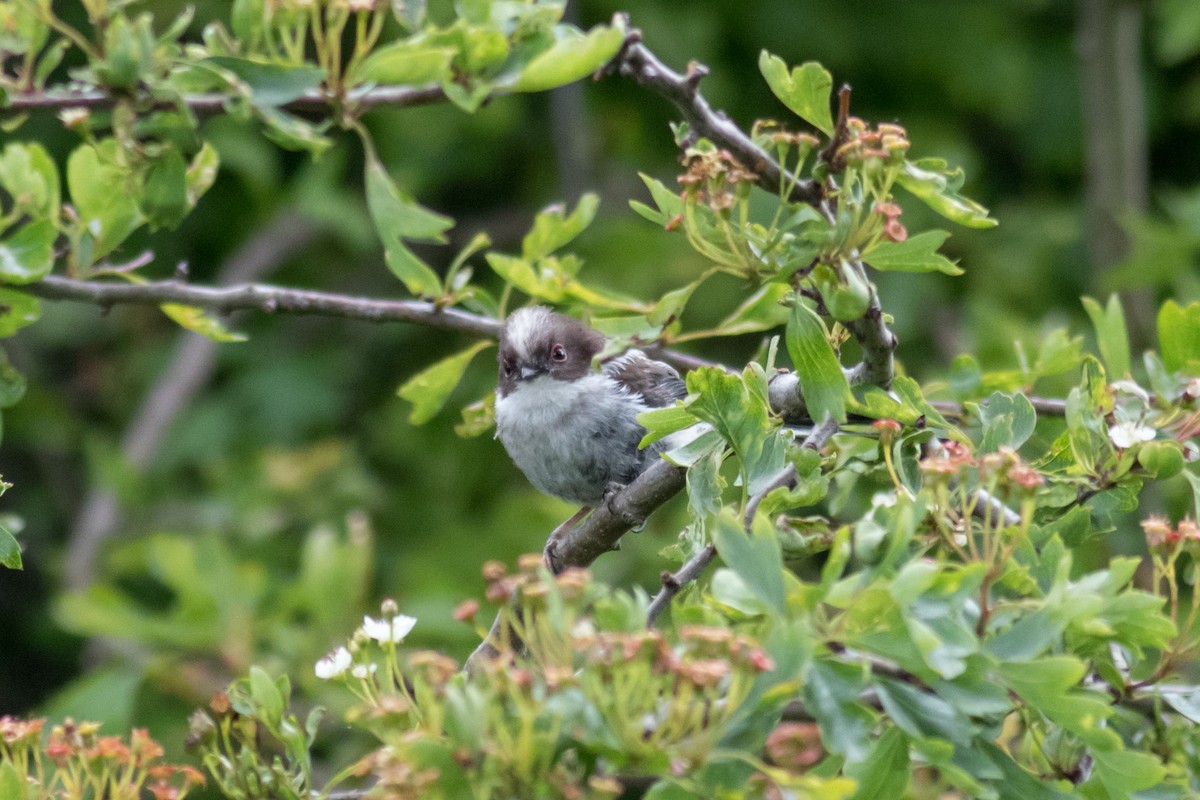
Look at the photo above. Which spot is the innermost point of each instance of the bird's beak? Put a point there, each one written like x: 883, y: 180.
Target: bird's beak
x: 529, y: 372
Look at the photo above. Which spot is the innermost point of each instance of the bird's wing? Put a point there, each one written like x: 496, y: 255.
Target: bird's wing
x: 657, y: 383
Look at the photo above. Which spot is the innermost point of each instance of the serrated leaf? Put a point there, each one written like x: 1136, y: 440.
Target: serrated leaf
x: 761, y: 311
x: 429, y: 389
x: 670, y: 204
x: 1111, y: 334
x: 1179, y: 336
x: 916, y: 254
x: 937, y: 186
x: 29, y: 175
x: 28, y: 255
x: 726, y: 402
x: 198, y: 320
x: 1008, y: 421
x: 406, y: 62
x: 572, y: 56
x: 754, y: 557
x: 398, y: 217
x: 478, y: 417
x: 17, y: 310
x: 806, y: 90
x: 822, y: 382
x: 553, y: 227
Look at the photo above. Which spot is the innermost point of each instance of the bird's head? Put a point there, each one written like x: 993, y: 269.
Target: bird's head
x: 538, y: 342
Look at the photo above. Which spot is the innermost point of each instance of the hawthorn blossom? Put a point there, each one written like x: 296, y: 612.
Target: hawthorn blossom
x: 1126, y: 434
x: 333, y: 664
x: 388, y: 630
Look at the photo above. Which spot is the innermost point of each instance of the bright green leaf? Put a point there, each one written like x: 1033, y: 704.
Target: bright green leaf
x: 292, y: 133
x: 883, y: 775
x: 931, y: 181
x: 553, y: 227
x: 398, y: 217
x: 164, y: 198
x: 478, y: 417
x: 28, y: 255
x: 573, y: 55
x: 915, y: 254
x: 201, y: 173
x: 29, y: 175
x: 197, y: 319
x: 266, y: 697
x: 101, y: 193
x: 10, y: 550
x: 754, y: 557
x: 1179, y: 336
x: 1123, y: 772
x: 406, y: 62
x: 17, y: 310
x: 831, y: 694
x: 806, y: 90
x: 1008, y: 421
x: 1111, y: 334
x: 822, y: 381
x: 272, y: 84
x: 429, y: 389
x: 761, y: 311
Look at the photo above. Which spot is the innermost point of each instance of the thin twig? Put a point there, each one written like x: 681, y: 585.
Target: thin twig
x: 673, y: 583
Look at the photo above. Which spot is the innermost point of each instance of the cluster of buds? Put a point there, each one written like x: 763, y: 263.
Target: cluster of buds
x: 887, y: 143
x: 893, y: 228
x: 715, y: 177
x: 704, y: 658
x: 98, y: 766
x: 396, y: 777
x: 795, y: 746
x: 274, y: 6
x: 531, y: 583
x: 1161, y: 535
x: 955, y: 459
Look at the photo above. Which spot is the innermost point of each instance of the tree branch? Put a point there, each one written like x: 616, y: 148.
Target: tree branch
x: 636, y: 61
x: 268, y: 299
x: 215, y: 102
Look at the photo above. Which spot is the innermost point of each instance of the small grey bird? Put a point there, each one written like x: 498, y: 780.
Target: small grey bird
x: 571, y: 429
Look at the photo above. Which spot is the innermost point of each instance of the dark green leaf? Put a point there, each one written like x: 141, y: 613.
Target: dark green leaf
x: 805, y: 90
x: 272, y: 84
x: 12, y: 387
x: 164, y: 198
x: 822, y: 382
x: 831, y: 694
x: 916, y: 254
x: 922, y: 714
x: 883, y: 775
x: 430, y: 388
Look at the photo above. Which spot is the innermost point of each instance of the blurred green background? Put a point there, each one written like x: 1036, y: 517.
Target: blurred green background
x: 189, y: 510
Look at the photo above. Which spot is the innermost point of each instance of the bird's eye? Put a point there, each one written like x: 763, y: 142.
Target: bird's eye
x: 508, y: 369
x: 558, y: 353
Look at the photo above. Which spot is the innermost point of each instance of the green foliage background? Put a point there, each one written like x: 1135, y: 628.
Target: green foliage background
x: 295, y: 470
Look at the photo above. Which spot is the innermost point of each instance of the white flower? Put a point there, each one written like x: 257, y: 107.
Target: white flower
x: 393, y: 630
x: 1127, y: 434
x: 333, y: 664
x: 363, y: 671
x: 883, y: 500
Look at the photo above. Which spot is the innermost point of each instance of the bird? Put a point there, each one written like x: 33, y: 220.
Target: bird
x: 570, y: 428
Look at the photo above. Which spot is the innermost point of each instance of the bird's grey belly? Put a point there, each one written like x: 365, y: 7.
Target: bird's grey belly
x: 575, y: 455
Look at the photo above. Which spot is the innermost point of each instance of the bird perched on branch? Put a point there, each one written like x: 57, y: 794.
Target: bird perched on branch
x: 572, y: 429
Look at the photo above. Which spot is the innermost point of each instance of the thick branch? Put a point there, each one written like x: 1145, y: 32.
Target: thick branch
x: 636, y: 61
x: 269, y: 299
x: 215, y: 102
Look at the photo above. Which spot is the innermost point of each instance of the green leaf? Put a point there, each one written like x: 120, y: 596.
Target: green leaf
x: 201, y: 173
x: 1123, y: 772
x: 554, y: 228
x: 292, y: 133
x: 10, y: 553
x: 12, y: 388
x: 754, y: 557
x: 923, y: 715
x: 398, y: 217
x: 883, y: 775
x: 478, y: 417
x: 1187, y: 704
x: 164, y: 198
x: 931, y: 181
x: 429, y: 389
x: 806, y: 90
x: 267, y: 697
x: 1008, y: 421
x: 28, y: 255
x: 1111, y: 334
x: 1179, y: 336
x: 573, y: 55
x: 101, y: 193
x: 29, y: 175
x: 662, y: 422
x: 916, y: 254
x: 17, y: 310
x: 198, y: 320
x: 272, y: 84
x: 670, y: 204
x: 406, y: 62
x: 737, y: 414
x: 761, y: 311
x: 831, y: 694
x: 822, y: 382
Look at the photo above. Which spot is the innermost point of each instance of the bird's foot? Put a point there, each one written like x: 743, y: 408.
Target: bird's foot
x: 610, y: 494
x: 550, y: 551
